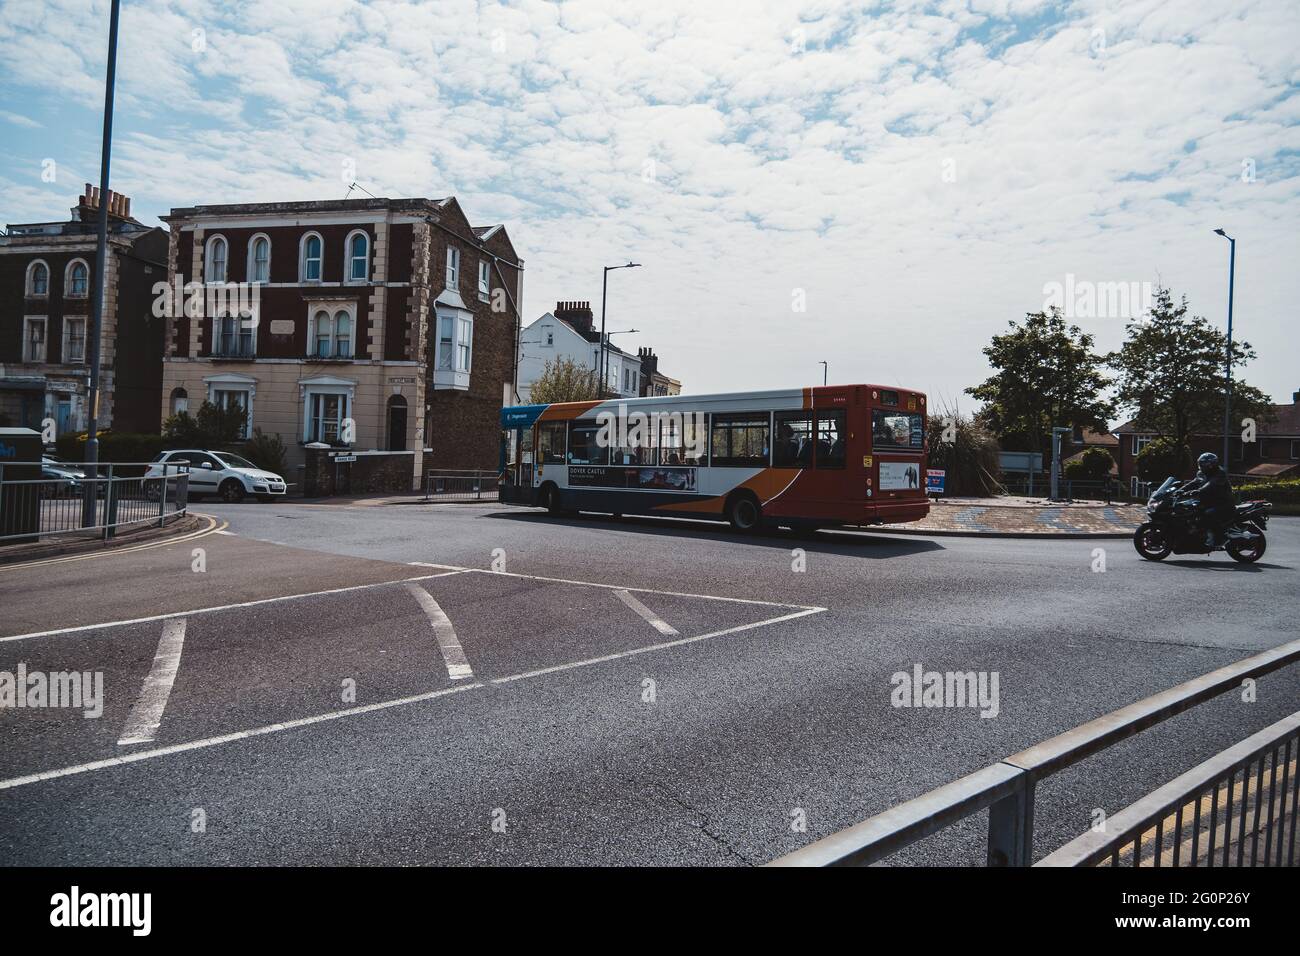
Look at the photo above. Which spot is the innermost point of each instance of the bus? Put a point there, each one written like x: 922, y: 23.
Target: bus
x: 801, y: 458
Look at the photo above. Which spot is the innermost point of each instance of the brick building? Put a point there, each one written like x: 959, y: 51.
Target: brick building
x: 47, y: 272
x: 1275, y: 453
x: 394, y: 316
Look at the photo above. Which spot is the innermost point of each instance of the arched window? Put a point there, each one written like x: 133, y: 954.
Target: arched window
x: 324, y: 334
x: 259, y: 259
x: 312, y: 248
x: 78, y: 279
x: 216, y: 262
x: 357, y: 255
x: 342, y: 335
x: 180, y: 401
x: 38, y: 279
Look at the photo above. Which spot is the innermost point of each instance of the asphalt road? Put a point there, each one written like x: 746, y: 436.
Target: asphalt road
x: 589, y: 691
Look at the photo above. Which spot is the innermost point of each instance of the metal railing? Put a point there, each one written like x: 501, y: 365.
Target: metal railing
x: 460, y: 486
x: 90, y: 500
x: 1110, y: 492
x: 1200, y: 835
x: 1006, y: 789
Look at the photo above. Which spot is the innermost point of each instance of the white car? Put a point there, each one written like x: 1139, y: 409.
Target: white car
x: 222, y: 474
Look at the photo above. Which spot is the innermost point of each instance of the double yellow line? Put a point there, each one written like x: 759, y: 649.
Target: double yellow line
x: 212, y: 528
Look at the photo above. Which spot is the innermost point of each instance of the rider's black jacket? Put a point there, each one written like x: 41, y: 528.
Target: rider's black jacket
x: 1214, y: 490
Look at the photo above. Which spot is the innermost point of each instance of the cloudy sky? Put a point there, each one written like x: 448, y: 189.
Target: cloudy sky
x: 878, y: 185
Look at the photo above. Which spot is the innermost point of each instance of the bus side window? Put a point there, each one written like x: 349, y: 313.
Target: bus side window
x: 584, y: 447
x: 793, y: 447
x: 741, y: 440
x: 550, y: 442
x: 830, y: 439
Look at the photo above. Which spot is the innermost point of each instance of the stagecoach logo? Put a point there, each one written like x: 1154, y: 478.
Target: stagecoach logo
x: 686, y: 430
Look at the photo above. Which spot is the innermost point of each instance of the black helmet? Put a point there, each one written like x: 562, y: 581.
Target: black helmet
x: 1208, y: 462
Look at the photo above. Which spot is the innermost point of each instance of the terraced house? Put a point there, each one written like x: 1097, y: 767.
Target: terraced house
x: 376, y: 325
x: 46, y: 282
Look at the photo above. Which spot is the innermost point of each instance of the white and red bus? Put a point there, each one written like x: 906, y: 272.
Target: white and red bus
x: 804, y: 458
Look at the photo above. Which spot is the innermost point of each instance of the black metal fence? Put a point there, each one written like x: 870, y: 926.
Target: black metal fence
x: 1111, y: 492
x: 90, y: 500
x: 460, y: 486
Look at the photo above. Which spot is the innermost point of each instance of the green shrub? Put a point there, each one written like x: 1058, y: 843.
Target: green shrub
x: 1284, y: 494
x: 212, y: 427
x: 1093, y: 465
x: 113, y: 446
x: 1163, y: 458
x: 265, y: 451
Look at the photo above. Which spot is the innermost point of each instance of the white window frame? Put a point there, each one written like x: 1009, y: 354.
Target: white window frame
x: 550, y: 336
x: 233, y: 382
x: 68, y: 320
x: 332, y: 311
x: 484, y: 279
x: 31, y: 320
x: 348, y: 258
x: 209, y: 259
x: 326, y: 385
x: 67, y: 280
x: 302, y: 258
x: 453, y: 267
x: 452, y: 365
x: 1140, y: 442
x: 252, y: 259
x: 29, y: 286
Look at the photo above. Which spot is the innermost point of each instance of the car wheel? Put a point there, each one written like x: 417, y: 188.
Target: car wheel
x: 231, y: 491
x: 744, y: 513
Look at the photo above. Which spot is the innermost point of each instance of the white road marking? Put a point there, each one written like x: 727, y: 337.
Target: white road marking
x: 453, y: 655
x: 232, y: 534
x: 651, y: 618
x: 658, y: 647
x: 383, y: 705
x: 225, y: 738
x: 210, y: 610
x: 146, y: 716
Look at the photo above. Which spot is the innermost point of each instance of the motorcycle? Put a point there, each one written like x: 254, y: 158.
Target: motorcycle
x: 1175, y: 528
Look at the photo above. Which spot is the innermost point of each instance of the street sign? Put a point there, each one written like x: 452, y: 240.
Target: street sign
x: 934, y: 481
x: 345, y: 458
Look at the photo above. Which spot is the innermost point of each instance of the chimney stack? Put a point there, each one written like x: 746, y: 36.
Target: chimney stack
x: 577, y: 314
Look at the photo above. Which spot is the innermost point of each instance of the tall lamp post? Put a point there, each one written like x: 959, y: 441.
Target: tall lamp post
x: 1227, y: 361
x: 97, y: 290
x: 825, y: 371
x: 604, y: 289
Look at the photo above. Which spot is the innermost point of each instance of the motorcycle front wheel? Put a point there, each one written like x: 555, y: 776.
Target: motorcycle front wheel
x: 1150, y: 542
x: 1247, y: 552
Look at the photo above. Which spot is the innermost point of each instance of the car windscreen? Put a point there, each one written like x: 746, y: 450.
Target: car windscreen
x: 234, y: 461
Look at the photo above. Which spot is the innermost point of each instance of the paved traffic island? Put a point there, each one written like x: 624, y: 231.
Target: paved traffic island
x: 1025, y: 517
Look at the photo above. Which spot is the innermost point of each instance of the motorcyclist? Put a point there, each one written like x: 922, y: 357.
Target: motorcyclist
x: 1213, y: 492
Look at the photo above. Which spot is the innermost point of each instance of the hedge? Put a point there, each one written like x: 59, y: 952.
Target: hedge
x: 113, y: 446
x: 1284, y: 494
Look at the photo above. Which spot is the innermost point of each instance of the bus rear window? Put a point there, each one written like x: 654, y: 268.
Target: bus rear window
x: 902, y: 430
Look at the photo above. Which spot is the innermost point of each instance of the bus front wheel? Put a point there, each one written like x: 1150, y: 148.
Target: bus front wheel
x: 744, y: 513
x: 551, y: 500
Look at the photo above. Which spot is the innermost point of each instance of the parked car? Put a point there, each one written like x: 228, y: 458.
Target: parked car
x: 219, y: 473
x: 63, y: 478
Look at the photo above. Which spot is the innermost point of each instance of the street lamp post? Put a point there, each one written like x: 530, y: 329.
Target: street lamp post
x: 97, y: 290
x: 1227, y: 361
x: 604, y: 289
x: 825, y: 371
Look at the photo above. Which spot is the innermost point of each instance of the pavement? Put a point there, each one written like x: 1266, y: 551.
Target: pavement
x: 479, y: 684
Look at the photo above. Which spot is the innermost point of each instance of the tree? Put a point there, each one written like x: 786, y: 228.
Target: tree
x: 1164, y: 458
x: 564, y: 380
x: 1094, y: 464
x: 966, y: 451
x: 1170, y: 374
x: 1046, y: 374
x: 212, y: 427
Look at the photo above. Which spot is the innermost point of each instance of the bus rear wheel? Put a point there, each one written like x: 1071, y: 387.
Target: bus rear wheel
x: 744, y: 513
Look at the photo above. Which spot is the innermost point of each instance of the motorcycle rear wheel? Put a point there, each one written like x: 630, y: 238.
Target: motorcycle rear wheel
x: 1150, y: 542
x: 1247, y: 552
